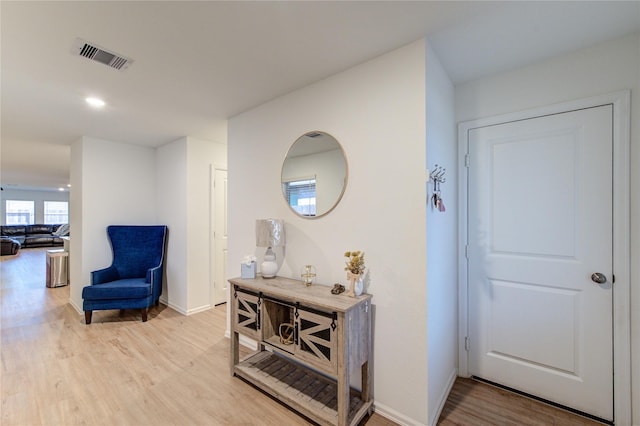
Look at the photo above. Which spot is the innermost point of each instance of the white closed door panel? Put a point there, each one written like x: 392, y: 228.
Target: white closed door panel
x: 540, y: 224
x: 220, y: 237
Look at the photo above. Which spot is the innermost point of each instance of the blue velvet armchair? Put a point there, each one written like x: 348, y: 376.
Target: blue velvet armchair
x: 134, y: 279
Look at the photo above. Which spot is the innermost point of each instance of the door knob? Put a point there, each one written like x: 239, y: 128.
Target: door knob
x: 598, y: 278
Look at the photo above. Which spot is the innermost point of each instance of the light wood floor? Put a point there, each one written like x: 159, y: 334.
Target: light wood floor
x: 478, y: 404
x: 171, y: 370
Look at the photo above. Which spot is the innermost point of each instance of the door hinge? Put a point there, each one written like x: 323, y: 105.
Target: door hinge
x: 613, y: 278
x: 466, y: 251
x: 467, y: 343
x: 466, y: 160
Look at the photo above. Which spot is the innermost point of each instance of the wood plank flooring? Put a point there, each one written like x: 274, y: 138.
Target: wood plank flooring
x: 171, y: 370
x: 479, y: 404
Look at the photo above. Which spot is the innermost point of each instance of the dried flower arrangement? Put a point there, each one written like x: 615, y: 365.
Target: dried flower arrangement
x: 355, y: 264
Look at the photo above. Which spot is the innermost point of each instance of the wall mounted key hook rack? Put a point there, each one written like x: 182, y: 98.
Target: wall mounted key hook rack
x: 437, y: 177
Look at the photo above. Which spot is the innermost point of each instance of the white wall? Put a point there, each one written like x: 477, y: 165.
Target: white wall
x: 442, y: 238
x: 76, y: 225
x: 201, y: 156
x: 377, y: 112
x: 31, y: 195
x: 171, y: 179
x: 113, y: 183
x: 184, y: 205
x: 605, y: 68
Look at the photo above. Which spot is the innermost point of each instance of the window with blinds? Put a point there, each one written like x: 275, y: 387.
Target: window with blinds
x: 19, y: 212
x: 56, y: 212
x: 301, y: 195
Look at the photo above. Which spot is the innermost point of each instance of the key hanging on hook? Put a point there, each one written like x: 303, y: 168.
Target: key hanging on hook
x: 441, y: 207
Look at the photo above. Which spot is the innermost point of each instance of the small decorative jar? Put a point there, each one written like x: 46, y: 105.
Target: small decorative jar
x: 308, y: 274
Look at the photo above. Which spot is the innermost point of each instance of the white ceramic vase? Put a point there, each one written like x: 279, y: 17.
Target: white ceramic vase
x: 356, y: 284
x: 359, y: 285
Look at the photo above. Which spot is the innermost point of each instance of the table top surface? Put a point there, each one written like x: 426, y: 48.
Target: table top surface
x: 296, y: 291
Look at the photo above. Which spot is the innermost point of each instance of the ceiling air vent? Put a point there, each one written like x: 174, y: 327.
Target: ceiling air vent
x: 98, y: 54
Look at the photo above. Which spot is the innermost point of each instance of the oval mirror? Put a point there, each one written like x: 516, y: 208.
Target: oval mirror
x: 314, y: 174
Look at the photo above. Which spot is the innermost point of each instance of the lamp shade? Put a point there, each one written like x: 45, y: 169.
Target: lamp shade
x: 270, y: 233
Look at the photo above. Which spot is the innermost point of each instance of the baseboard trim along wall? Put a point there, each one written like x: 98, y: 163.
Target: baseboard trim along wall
x: 76, y: 307
x: 394, y: 416
x: 174, y: 307
x: 199, y: 309
x: 443, y: 398
x: 164, y: 301
x: 183, y: 311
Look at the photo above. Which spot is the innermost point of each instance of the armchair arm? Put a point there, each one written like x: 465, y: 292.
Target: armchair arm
x: 154, y: 277
x: 106, y: 275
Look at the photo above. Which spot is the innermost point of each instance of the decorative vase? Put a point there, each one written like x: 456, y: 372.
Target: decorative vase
x: 359, y: 286
x: 354, y: 279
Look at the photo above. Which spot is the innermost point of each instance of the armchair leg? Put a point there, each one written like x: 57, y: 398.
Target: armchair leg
x: 158, y: 302
x: 87, y: 317
x: 144, y: 314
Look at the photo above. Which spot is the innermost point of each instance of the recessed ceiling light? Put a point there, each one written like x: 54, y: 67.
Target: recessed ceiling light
x: 95, y: 102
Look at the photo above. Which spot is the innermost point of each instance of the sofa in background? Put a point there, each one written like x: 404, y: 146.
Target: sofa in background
x: 8, y: 246
x: 32, y: 235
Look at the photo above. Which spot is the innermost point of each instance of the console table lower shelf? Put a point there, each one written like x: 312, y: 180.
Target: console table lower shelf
x: 311, y: 394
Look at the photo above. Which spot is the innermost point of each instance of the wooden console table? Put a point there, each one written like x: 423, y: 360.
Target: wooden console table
x: 309, y: 371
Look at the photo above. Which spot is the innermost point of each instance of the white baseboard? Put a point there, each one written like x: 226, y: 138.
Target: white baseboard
x: 394, y: 416
x: 443, y: 398
x: 199, y: 309
x: 76, y: 307
x: 183, y: 311
x: 174, y: 307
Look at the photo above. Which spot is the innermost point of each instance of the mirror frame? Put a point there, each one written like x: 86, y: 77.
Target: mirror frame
x: 344, y: 184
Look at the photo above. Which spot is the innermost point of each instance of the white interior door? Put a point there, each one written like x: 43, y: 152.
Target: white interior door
x: 540, y: 224
x: 220, y: 236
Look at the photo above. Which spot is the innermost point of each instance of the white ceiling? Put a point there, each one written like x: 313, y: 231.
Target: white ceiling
x: 198, y: 63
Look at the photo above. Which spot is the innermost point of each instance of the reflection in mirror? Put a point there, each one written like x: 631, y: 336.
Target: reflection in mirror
x: 314, y: 174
